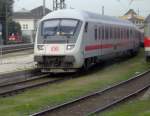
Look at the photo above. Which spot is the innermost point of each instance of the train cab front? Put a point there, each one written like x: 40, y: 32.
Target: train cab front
x: 56, y: 48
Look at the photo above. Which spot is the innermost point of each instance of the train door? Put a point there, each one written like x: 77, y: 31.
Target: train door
x: 85, y: 38
x: 95, y: 42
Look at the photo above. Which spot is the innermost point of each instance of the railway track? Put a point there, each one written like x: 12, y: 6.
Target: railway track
x: 101, y: 100
x: 14, y: 48
x: 11, y: 77
x: 12, y: 83
x: 10, y: 89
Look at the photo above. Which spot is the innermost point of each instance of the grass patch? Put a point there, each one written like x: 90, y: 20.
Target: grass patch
x: 36, y: 99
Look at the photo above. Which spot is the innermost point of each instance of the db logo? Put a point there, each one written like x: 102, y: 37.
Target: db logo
x: 54, y: 49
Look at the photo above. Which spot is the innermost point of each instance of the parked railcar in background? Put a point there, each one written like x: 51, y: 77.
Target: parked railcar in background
x: 68, y: 40
x: 14, y: 38
x: 147, y: 38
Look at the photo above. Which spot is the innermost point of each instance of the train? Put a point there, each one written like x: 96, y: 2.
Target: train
x: 69, y: 40
x: 147, y: 38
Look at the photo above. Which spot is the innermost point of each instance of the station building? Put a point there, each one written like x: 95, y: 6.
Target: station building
x: 29, y: 21
x: 134, y: 17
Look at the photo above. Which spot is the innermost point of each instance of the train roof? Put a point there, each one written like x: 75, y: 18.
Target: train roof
x: 147, y: 20
x: 86, y: 16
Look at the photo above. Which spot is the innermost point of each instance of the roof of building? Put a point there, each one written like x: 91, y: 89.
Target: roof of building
x: 23, y: 15
x: 131, y: 14
x: 132, y: 17
x: 131, y: 11
x: 36, y: 13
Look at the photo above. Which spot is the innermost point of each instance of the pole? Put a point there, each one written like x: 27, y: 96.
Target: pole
x: 1, y: 43
x: 1, y: 55
x: 103, y: 10
x: 6, y: 21
x: 58, y: 4
x: 138, y: 12
x: 43, y: 7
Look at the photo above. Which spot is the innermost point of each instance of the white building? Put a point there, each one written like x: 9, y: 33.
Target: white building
x: 29, y: 20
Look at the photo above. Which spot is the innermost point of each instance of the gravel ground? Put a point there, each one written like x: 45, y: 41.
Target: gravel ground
x: 16, y: 63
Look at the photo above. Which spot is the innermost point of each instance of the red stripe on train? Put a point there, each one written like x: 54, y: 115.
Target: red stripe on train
x: 147, y: 41
x: 95, y: 47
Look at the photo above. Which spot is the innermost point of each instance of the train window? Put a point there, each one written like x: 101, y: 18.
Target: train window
x: 128, y: 33
x: 99, y: 33
x: 86, y: 27
x: 131, y: 34
x: 124, y: 33
x: 106, y: 32
x: 110, y: 32
x: 119, y: 33
x: 103, y: 32
x: 115, y: 33
x: 95, y: 31
x: 111, y: 29
x: 122, y: 37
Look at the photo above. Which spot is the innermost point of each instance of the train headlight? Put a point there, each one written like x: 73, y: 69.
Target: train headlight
x: 40, y: 47
x: 70, y: 47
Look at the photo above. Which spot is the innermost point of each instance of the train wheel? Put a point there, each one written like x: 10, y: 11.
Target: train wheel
x: 86, y: 65
x: 133, y: 53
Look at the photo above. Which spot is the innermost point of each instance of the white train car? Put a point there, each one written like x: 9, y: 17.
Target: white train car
x: 68, y: 40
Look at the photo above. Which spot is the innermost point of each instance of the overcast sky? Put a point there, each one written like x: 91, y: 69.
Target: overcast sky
x: 112, y: 7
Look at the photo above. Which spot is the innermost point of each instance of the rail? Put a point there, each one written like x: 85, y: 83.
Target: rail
x: 100, y: 100
x: 15, y: 82
x: 14, y: 48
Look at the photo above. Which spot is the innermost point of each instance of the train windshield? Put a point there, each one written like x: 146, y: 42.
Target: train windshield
x: 59, y: 27
x: 50, y: 27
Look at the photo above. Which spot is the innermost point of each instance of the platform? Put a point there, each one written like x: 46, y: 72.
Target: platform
x: 16, y: 62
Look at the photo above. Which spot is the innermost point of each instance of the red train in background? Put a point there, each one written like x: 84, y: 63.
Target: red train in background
x: 147, y: 38
x: 14, y: 38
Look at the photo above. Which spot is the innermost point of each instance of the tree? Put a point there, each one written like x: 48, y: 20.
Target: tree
x: 14, y: 27
x: 6, y: 10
